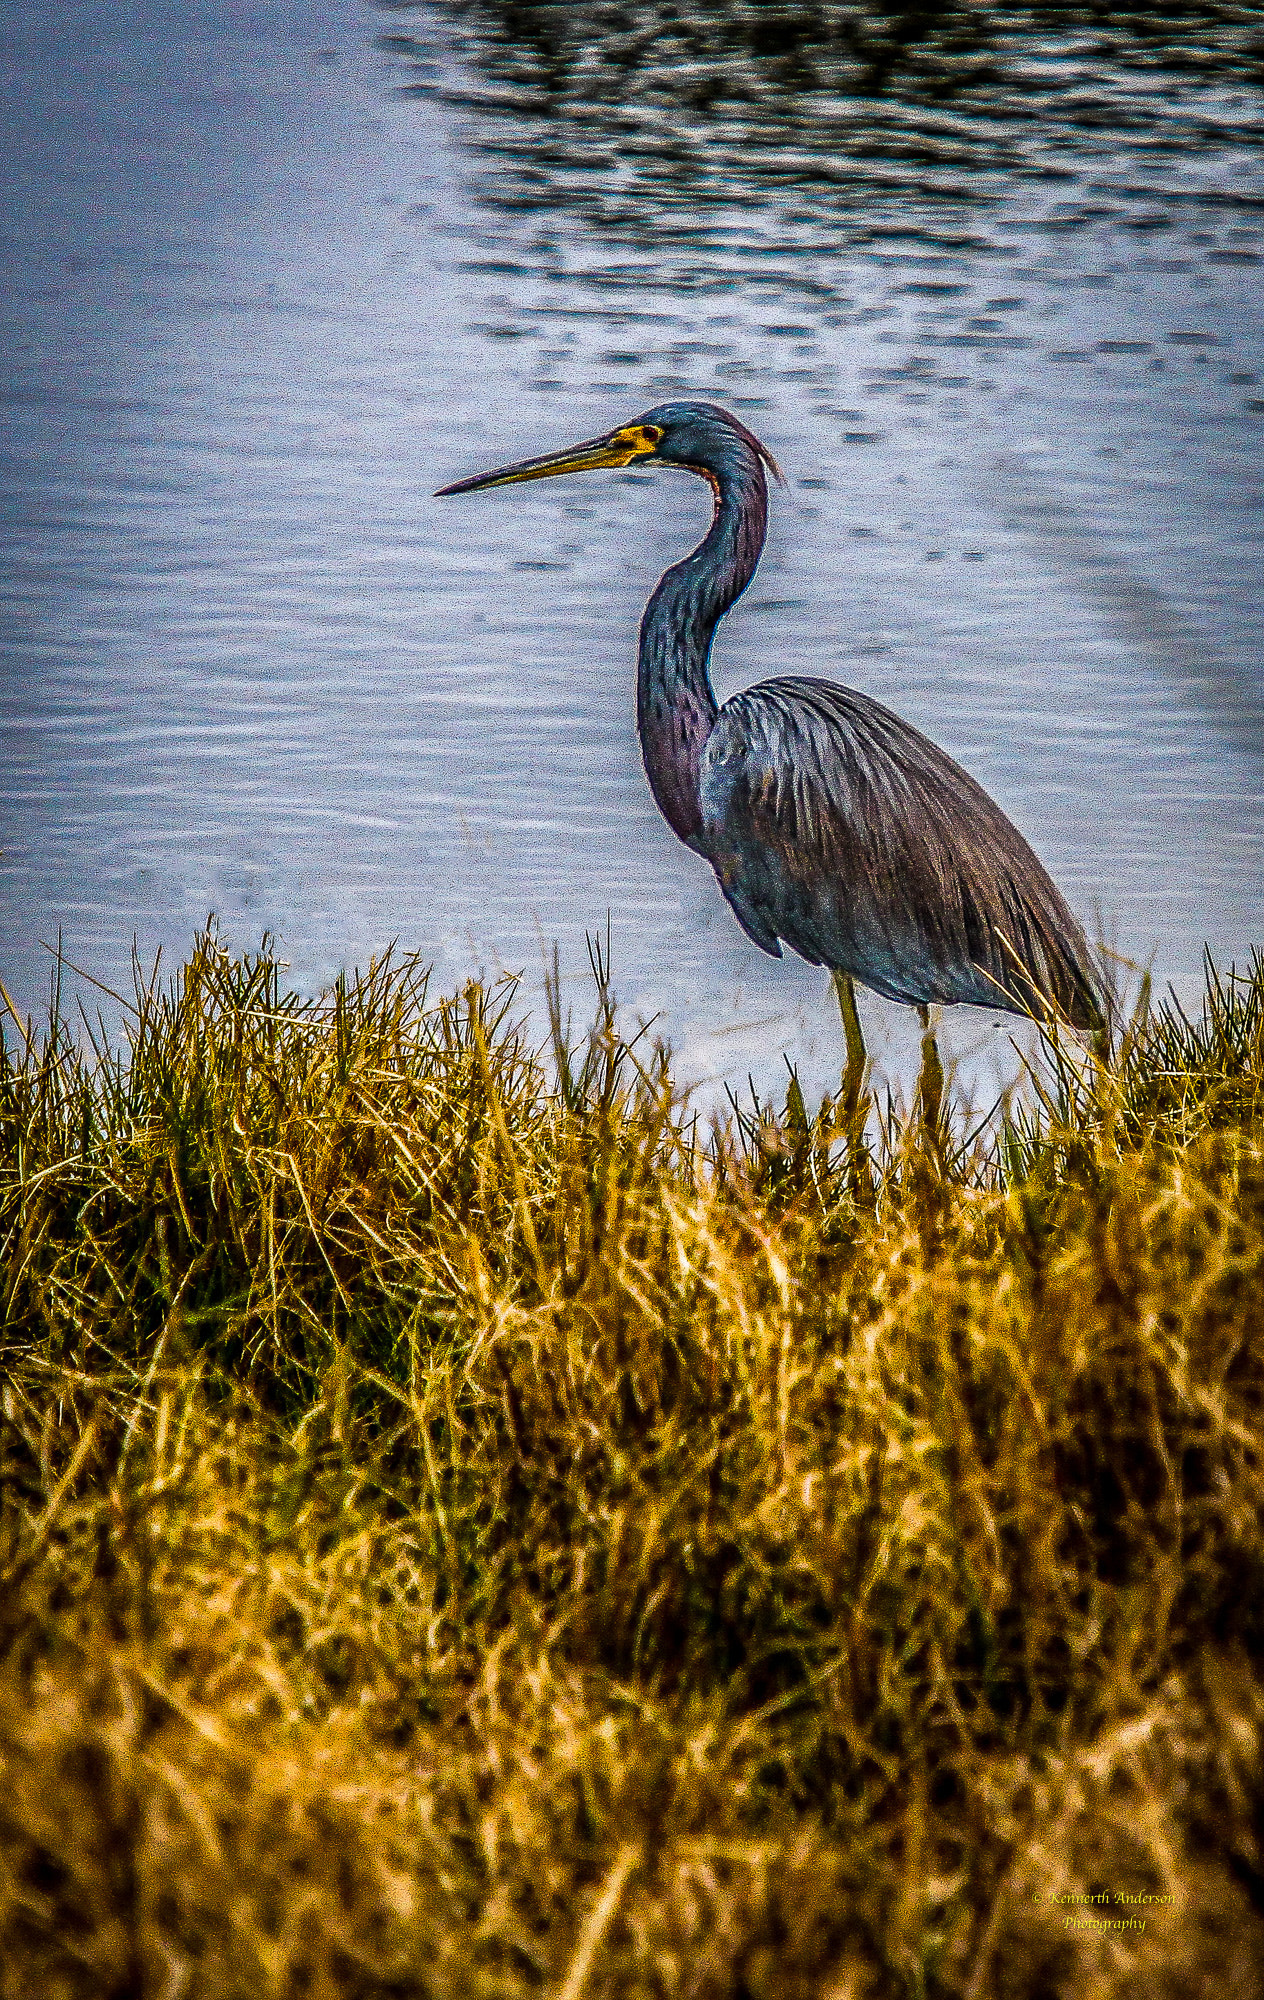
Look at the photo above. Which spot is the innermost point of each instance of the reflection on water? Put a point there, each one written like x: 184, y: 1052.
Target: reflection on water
x: 986, y: 279
x: 858, y: 115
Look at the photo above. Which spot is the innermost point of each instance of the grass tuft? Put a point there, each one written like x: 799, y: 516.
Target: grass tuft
x: 467, y: 1531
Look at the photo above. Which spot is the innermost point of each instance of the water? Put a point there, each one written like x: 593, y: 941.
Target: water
x: 272, y: 274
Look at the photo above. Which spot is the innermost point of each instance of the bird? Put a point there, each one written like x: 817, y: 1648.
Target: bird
x: 831, y: 825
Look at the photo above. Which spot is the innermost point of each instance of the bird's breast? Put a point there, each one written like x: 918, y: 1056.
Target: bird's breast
x: 674, y: 730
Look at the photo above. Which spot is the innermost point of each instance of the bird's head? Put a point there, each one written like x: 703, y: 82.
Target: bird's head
x: 701, y: 437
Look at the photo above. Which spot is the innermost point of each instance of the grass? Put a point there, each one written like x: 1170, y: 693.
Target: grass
x: 469, y: 1532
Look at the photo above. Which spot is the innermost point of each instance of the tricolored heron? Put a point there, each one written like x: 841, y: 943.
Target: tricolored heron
x: 831, y: 825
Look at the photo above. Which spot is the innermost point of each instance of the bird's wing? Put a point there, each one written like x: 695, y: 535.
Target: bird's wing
x: 832, y: 824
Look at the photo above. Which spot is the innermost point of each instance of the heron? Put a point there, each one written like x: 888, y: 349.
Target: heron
x: 832, y: 826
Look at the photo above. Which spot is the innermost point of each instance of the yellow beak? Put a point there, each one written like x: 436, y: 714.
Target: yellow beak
x: 617, y: 448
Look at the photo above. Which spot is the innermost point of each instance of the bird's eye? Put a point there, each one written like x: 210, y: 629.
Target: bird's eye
x: 642, y: 437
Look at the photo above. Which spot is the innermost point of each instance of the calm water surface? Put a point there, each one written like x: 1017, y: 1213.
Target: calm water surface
x: 274, y: 273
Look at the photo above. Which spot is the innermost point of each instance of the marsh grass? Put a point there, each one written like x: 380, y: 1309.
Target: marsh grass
x: 469, y: 1531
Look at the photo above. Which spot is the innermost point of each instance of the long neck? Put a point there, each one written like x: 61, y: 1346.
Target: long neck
x: 675, y: 703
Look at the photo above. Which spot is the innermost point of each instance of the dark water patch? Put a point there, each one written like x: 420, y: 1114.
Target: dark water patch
x: 830, y: 100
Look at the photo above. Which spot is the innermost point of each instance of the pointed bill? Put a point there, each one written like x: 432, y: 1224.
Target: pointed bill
x: 617, y: 448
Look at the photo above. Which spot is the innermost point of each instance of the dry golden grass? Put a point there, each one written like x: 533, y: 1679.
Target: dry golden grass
x: 466, y: 1533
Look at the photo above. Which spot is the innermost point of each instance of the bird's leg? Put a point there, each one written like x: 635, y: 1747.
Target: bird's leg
x: 854, y: 1074
x: 930, y: 1083
x: 854, y: 1097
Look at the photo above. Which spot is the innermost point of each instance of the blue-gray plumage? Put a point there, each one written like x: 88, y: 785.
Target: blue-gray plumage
x: 831, y: 825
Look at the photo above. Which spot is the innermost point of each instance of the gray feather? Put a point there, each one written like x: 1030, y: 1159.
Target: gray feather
x: 834, y: 825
